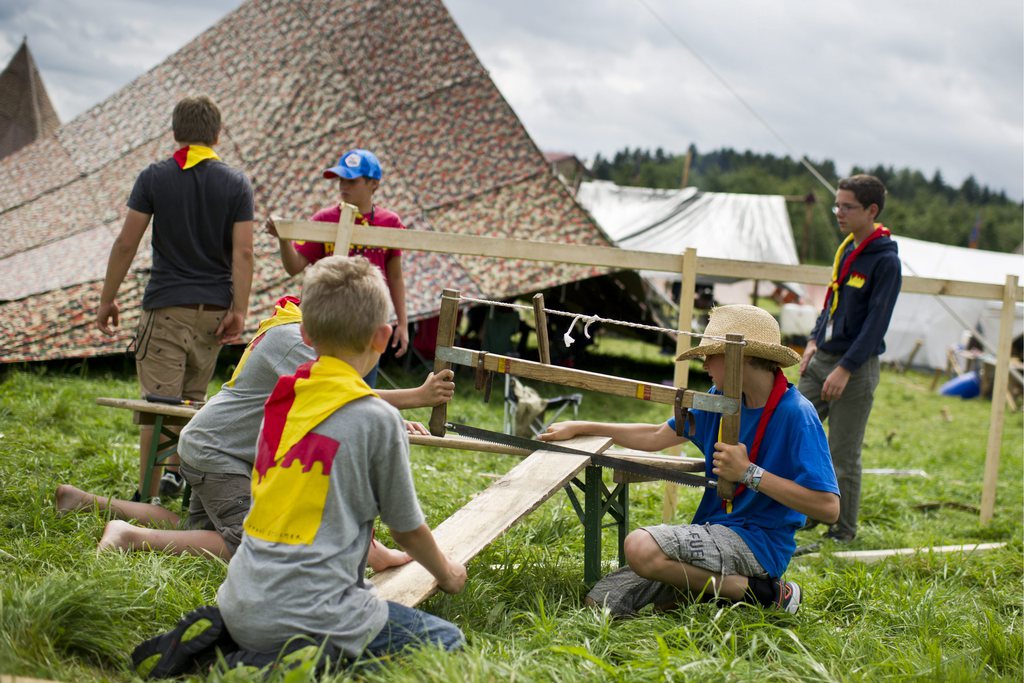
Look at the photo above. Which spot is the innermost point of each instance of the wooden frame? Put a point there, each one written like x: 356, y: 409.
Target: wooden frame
x: 620, y: 259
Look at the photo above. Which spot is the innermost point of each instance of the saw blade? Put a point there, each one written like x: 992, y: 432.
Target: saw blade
x: 596, y: 458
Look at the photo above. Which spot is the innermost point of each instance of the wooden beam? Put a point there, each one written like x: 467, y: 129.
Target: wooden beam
x: 460, y: 443
x: 343, y: 232
x: 582, y: 379
x: 869, y: 556
x: 490, y: 514
x: 999, y: 387
x: 447, y: 322
x: 681, y: 374
x: 611, y: 257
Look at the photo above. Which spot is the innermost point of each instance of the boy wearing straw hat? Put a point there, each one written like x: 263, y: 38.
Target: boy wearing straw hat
x: 782, y: 464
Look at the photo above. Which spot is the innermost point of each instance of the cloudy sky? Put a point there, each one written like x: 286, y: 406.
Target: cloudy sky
x: 931, y: 85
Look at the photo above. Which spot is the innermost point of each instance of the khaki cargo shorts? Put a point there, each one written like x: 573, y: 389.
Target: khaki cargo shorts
x: 176, y: 350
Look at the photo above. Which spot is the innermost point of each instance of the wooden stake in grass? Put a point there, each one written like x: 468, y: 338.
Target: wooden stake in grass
x: 541, y: 321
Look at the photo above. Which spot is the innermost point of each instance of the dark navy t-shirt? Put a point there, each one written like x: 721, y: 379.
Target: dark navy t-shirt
x: 193, y: 212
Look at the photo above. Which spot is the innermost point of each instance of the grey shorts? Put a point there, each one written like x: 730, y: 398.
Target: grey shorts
x: 219, y: 503
x: 715, y: 548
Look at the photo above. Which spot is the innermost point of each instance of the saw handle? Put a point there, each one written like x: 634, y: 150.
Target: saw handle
x: 732, y: 388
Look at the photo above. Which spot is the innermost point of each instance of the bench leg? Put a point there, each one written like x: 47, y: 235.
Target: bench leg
x: 598, y: 501
x: 592, y: 505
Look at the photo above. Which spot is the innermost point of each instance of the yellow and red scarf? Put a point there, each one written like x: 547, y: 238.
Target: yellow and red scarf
x: 288, y: 491
x: 286, y: 312
x: 832, y: 293
x: 190, y: 155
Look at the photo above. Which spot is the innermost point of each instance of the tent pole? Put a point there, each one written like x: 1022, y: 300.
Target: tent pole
x: 681, y: 376
x: 995, y: 430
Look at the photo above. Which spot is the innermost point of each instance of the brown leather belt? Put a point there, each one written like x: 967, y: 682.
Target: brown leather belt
x: 203, y: 307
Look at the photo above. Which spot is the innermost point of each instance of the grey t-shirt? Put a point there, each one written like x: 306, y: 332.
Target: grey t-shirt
x: 276, y: 590
x: 221, y: 438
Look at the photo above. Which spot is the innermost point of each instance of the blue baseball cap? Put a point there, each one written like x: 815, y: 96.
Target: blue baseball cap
x: 355, y: 163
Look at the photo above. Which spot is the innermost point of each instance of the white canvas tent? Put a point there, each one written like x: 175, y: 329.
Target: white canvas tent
x: 746, y: 227
x: 938, y: 323
x: 743, y: 227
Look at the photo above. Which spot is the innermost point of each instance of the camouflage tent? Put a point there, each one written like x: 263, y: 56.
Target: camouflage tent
x: 298, y: 82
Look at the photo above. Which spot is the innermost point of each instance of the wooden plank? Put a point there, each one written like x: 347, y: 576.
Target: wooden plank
x: 140, y: 406
x: 461, y: 443
x: 999, y: 387
x: 869, y: 556
x: 612, y: 257
x: 583, y: 379
x: 490, y: 514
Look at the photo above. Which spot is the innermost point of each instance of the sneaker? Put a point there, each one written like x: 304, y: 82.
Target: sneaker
x: 171, y: 484
x: 191, y: 644
x: 624, y: 593
x: 809, y: 524
x: 837, y: 536
x: 806, y: 549
x: 788, y: 599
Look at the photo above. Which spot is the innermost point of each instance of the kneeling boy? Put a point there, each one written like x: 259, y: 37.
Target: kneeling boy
x: 782, y: 461
x: 331, y: 457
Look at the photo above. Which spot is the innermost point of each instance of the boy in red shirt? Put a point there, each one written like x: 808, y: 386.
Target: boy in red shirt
x: 359, y: 174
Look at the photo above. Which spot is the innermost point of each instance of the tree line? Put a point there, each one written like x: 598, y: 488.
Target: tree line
x: 917, y: 206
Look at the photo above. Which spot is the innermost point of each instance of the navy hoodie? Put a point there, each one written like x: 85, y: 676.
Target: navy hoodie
x: 866, y: 299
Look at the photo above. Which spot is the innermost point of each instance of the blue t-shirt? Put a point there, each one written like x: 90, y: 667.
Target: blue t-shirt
x: 794, y: 447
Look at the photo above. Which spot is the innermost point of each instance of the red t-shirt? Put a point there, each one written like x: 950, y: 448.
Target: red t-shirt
x: 379, y: 256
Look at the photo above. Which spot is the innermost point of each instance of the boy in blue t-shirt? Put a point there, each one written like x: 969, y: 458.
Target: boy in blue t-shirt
x: 785, y: 476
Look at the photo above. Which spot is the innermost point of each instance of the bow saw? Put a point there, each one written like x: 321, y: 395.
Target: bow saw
x: 595, y: 458
x: 485, y: 364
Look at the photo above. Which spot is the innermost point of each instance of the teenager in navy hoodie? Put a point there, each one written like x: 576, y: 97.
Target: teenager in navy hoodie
x: 839, y: 369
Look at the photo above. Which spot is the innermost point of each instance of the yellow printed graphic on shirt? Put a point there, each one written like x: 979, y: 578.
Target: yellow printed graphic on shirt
x: 291, y: 472
x: 856, y: 281
x: 288, y: 500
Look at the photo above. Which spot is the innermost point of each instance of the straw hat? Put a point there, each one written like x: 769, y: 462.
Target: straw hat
x: 760, y: 331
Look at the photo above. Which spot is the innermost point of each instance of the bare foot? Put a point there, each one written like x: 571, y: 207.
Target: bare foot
x: 381, y: 557
x: 115, y: 536
x: 70, y: 498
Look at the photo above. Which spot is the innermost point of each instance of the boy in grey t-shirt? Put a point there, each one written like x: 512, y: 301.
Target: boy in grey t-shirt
x: 218, y: 446
x: 332, y: 457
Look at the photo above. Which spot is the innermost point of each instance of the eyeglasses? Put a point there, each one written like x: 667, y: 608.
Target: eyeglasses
x: 845, y: 208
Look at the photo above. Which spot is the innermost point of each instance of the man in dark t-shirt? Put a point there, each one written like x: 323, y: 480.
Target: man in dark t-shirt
x: 198, y: 293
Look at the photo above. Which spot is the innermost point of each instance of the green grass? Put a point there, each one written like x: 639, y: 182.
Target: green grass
x: 69, y: 615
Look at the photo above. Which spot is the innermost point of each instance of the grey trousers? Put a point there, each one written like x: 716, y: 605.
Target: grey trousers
x: 847, y: 419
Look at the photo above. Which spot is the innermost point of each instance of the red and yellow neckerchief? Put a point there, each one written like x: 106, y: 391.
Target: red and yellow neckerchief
x: 286, y: 312
x: 190, y: 155
x: 832, y: 293
x: 779, y: 388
